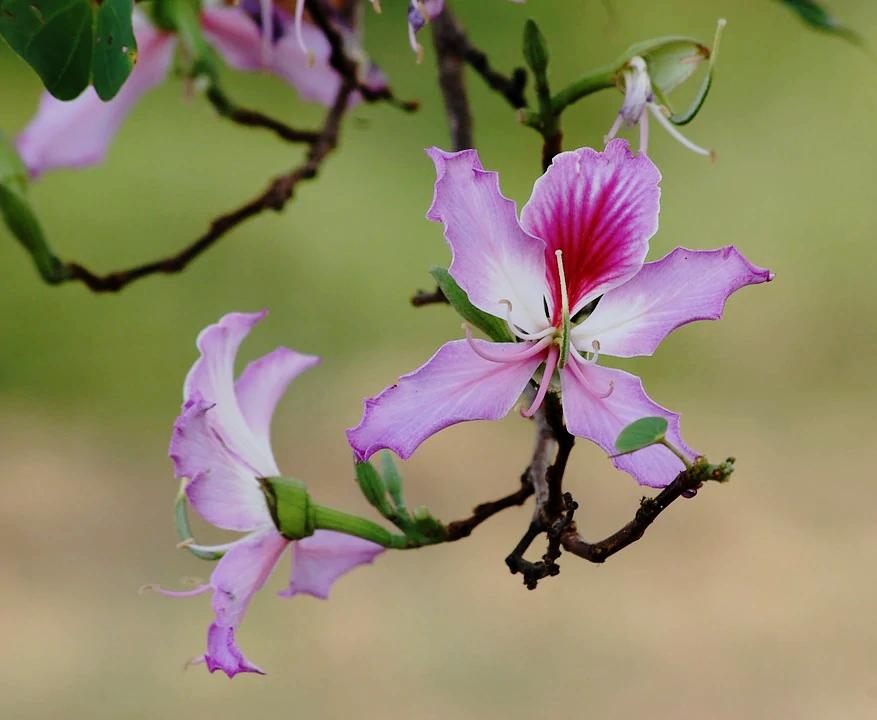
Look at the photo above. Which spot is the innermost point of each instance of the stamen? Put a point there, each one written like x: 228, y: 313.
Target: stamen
x: 532, y: 350
x: 266, y: 12
x: 518, y: 333
x: 644, y: 133
x: 674, y: 132
x: 200, y: 590
x: 200, y: 660
x: 582, y: 378
x: 376, y: 4
x: 415, y: 46
x: 190, y: 544
x: 613, y: 131
x: 547, y: 374
x: 583, y: 359
x: 714, y: 53
x: 299, y: 21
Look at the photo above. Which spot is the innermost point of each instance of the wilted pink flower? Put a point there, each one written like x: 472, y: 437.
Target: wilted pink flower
x: 78, y: 133
x: 583, y: 236
x: 221, y: 443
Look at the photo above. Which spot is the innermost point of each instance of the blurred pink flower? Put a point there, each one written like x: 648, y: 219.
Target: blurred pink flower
x: 221, y: 443
x: 78, y: 133
x: 583, y: 236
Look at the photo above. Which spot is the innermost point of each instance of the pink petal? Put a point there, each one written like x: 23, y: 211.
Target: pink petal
x: 493, y: 258
x: 239, y: 40
x: 78, y: 133
x: 453, y: 386
x: 224, y: 654
x: 590, y: 415
x: 322, y: 558
x: 211, y: 379
x: 261, y: 385
x: 600, y: 209
x: 223, y: 490
x: 237, y: 577
x: 683, y: 286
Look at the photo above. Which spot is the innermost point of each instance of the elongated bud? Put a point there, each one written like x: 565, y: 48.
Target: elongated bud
x: 535, y: 49
x: 392, y: 479
x: 290, y: 506
x: 372, y: 486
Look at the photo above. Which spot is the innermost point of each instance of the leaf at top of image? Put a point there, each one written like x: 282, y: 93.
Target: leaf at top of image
x: 73, y: 43
x: 815, y: 15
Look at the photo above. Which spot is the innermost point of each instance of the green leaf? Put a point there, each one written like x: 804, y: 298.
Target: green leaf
x: 818, y: 18
x: 491, y: 326
x: 71, y: 43
x: 20, y: 218
x: 641, y: 434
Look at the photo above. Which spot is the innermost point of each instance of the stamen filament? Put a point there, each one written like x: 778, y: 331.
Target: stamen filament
x: 415, y: 46
x: 200, y: 590
x: 376, y: 4
x: 266, y: 13
x: 644, y: 132
x: 532, y: 350
x: 674, y: 132
x: 547, y: 374
x: 582, y: 378
x: 613, y: 131
x: 299, y: 37
x: 518, y: 333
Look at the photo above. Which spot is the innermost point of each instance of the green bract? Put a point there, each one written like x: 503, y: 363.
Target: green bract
x: 73, y: 43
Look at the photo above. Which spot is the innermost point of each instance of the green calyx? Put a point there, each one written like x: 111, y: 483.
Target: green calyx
x: 296, y: 516
x: 290, y: 506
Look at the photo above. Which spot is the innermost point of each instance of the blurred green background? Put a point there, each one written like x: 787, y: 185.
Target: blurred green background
x: 755, y: 600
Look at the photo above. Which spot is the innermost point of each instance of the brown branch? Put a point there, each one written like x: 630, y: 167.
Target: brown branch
x: 446, y: 33
x: 347, y: 67
x: 275, y: 197
x: 421, y: 298
x: 454, y: 42
x: 253, y: 118
x: 686, y: 484
x: 463, y: 528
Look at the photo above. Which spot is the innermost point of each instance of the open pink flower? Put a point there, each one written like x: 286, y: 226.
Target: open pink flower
x: 221, y: 443
x: 78, y: 133
x: 582, y: 236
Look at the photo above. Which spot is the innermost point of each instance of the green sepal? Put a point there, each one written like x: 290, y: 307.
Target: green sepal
x: 290, y: 506
x: 490, y: 325
x: 71, y: 43
x: 20, y: 217
x: 641, y: 434
x: 670, y: 60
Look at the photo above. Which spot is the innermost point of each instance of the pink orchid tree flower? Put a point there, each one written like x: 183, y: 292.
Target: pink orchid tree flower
x: 78, y: 133
x: 582, y: 237
x: 221, y: 443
